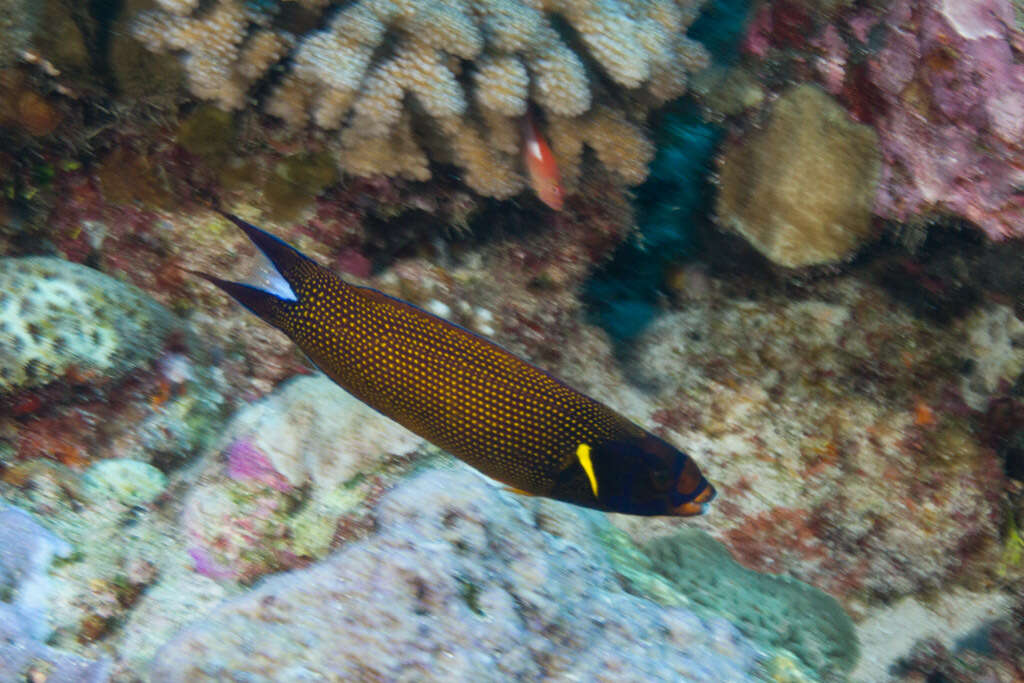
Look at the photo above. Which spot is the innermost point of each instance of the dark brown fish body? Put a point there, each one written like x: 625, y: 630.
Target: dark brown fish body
x: 502, y: 415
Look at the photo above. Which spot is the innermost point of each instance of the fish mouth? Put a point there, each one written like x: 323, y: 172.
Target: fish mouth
x: 697, y: 506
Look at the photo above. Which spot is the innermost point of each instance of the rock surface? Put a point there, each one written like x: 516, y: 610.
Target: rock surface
x: 835, y: 431
x: 290, y: 468
x: 459, y: 581
x: 26, y: 551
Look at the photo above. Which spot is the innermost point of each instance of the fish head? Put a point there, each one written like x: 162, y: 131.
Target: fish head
x: 549, y: 191
x: 646, y: 475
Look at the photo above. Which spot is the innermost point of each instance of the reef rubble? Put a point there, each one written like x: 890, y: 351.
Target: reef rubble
x: 170, y: 468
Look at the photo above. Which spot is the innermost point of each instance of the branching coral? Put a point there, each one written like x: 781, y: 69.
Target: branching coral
x: 408, y: 80
x: 223, y: 59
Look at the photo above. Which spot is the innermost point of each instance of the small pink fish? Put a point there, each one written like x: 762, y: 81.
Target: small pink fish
x: 541, y: 165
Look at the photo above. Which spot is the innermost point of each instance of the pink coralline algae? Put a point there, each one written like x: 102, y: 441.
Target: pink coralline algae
x: 204, y: 563
x: 946, y: 94
x: 248, y: 463
x: 942, y: 83
x: 237, y: 527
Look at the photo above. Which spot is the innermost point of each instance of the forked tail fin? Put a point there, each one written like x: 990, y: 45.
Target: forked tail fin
x: 287, y: 261
x: 277, y: 285
x: 260, y: 302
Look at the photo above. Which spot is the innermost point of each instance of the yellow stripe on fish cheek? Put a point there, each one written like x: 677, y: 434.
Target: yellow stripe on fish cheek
x: 583, y: 455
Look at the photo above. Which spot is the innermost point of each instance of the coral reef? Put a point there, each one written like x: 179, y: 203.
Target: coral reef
x: 458, y: 580
x: 58, y: 317
x: 796, y: 396
x: 801, y: 188
x: 941, y: 83
x: 95, y: 377
x: 362, y: 70
x: 866, y: 438
x: 950, y: 112
x: 116, y: 378
x: 147, y: 417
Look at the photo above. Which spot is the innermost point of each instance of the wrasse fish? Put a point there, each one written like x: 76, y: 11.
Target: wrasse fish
x: 507, y: 418
x: 540, y: 164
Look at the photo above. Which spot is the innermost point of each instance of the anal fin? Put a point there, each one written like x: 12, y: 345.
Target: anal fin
x: 519, y: 492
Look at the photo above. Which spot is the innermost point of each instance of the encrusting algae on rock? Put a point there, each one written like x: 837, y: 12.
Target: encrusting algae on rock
x: 293, y: 468
x: 458, y: 581
x: 130, y: 482
x: 863, y: 420
x: 57, y: 316
x: 27, y: 550
x: 816, y: 630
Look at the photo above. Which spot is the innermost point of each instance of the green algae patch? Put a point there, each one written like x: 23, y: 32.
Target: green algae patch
x: 208, y: 132
x: 295, y: 183
x: 312, y: 528
x: 129, y: 178
x: 131, y: 482
x: 636, y: 568
x: 805, y: 632
x: 787, y: 615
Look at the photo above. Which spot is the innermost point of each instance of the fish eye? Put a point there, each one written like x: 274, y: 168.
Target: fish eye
x: 661, y: 476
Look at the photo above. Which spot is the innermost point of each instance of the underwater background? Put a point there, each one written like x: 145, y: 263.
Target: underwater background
x: 785, y: 236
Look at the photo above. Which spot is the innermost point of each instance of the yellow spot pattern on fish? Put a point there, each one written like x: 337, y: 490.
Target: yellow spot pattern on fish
x: 508, y: 418
x: 511, y: 420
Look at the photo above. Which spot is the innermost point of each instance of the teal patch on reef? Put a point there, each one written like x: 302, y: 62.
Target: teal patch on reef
x: 777, y: 611
x: 622, y: 296
x: 56, y: 315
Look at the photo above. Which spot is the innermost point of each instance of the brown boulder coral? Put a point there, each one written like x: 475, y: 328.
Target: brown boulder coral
x: 390, y: 75
x: 801, y: 189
